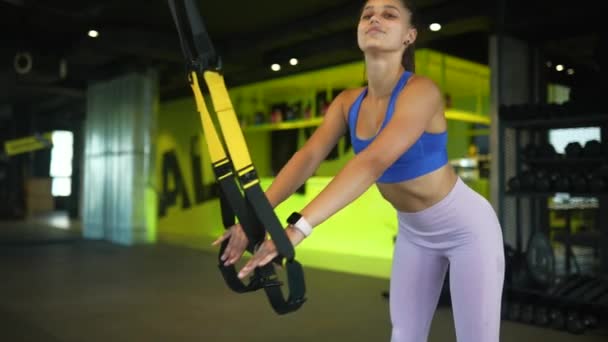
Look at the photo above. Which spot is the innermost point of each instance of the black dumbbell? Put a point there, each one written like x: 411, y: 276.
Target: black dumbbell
x: 528, y: 180
x: 574, y: 150
x: 514, y: 311
x: 554, y: 176
x: 527, y: 314
x: 552, y: 313
x: 593, y: 296
x: 574, y: 323
x: 543, y: 181
x: 541, y: 316
x: 562, y: 183
x: 590, y: 320
x: 592, y: 149
x: 598, y: 180
x: 557, y: 318
x: 578, y: 182
x: 514, y: 184
x: 546, y: 150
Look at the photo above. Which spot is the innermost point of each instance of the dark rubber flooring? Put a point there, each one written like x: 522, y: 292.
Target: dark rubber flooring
x: 56, y: 287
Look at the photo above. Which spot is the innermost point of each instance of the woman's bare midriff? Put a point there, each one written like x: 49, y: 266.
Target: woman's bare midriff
x: 416, y: 194
x: 420, y: 193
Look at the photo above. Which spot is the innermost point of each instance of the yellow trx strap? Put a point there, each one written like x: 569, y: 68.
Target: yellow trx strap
x: 230, y: 126
x: 233, y: 163
x: 216, y: 149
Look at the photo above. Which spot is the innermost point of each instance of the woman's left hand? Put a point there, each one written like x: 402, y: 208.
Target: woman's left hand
x: 268, y: 251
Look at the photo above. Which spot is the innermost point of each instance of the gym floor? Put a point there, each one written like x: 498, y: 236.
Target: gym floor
x: 56, y: 287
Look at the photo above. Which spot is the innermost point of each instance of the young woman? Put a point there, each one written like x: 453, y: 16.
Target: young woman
x: 398, y: 130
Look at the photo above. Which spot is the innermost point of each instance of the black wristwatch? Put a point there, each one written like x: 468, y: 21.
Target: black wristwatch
x: 293, y: 218
x: 299, y: 222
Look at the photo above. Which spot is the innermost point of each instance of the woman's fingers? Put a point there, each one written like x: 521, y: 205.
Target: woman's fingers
x: 262, y: 257
x: 239, y: 243
x: 222, y: 237
x: 236, y: 246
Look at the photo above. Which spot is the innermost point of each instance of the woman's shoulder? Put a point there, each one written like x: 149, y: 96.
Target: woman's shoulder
x: 348, y: 96
x: 345, y: 99
x: 420, y: 85
x: 420, y: 82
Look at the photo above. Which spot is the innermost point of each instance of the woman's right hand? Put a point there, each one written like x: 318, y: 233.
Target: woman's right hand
x: 236, y: 245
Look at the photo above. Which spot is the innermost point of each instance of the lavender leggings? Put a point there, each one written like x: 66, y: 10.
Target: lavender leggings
x: 461, y: 230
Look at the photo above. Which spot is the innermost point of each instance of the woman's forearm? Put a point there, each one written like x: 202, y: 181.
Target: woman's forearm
x: 357, y: 176
x: 298, y: 169
x: 306, y: 160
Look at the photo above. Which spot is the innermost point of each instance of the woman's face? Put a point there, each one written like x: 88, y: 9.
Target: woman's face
x: 384, y: 25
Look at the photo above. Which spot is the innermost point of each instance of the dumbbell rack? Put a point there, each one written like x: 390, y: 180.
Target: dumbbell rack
x: 527, y: 211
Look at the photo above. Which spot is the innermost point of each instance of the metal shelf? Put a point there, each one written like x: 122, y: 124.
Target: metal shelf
x: 591, y: 161
x: 573, y: 121
x: 539, y: 194
x: 284, y: 125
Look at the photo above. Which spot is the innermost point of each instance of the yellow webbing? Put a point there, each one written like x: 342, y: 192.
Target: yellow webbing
x: 216, y: 150
x: 235, y: 140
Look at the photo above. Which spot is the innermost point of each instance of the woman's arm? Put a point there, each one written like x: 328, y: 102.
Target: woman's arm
x: 414, y: 109
x: 305, y: 161
x: 299, y: 168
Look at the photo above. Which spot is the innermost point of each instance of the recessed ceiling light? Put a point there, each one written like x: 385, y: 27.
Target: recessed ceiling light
x: 435, y: 27
x: 293, y: 61
x: 559, y: 67
x: 275, y: 67
x: 570, y: 71
x: 93, y: 34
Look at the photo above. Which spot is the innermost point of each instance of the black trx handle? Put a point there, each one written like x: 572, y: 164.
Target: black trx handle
x: 250, y: 206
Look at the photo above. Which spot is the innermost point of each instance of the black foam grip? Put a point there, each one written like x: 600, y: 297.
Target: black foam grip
x: 235, y: 203
x: 265, y: 214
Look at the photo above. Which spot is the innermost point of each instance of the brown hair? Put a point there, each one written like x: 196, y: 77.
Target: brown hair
x: 408, y: 61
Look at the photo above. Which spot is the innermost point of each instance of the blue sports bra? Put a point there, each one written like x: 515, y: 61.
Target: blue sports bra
x: 427, y: 154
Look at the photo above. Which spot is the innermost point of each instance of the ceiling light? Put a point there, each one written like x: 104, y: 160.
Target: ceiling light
x: 570, y: 71
x: 275, y: 67
x: 93, y: 34
x: 435, y: 27
x: 559, y: 67
x: 293, y: 61
x: 549, y: 64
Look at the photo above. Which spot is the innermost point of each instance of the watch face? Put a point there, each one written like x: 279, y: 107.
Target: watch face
x: 293, y: 218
